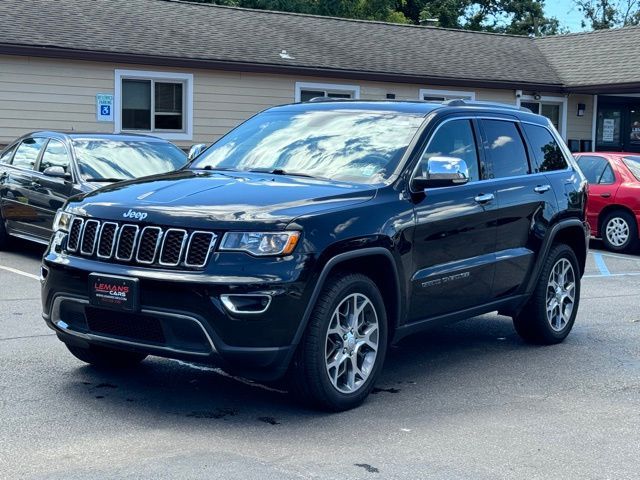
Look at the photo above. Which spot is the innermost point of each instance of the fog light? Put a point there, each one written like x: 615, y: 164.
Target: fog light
x: 246, y: 303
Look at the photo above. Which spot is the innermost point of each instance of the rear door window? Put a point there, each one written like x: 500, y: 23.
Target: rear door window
x: 504, y: 148
x: 27, y: 153
x: 593, y: 167
x: 547, y: 154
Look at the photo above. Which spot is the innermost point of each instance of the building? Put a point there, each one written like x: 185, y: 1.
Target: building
x: 190, y: 72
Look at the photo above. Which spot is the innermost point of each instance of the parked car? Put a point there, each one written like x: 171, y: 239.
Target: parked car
x: 313, y: 235
x: 41, y: 170
x: 613, y: 209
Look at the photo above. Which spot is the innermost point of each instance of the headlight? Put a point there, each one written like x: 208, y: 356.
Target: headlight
x: 62, y: 221
x: 261, y: 243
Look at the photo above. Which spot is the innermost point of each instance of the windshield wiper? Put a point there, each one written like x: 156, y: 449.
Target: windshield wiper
x: 280, y: 171
x: 104, y: 179
x: 224, y: 169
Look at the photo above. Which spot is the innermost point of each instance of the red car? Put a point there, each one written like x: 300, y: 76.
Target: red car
x: 613, y: 209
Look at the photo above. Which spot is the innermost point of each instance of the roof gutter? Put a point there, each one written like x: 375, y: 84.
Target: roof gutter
x: 206, y: 64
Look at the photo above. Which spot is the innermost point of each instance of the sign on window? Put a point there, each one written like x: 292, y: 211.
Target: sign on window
x: 608, y: 127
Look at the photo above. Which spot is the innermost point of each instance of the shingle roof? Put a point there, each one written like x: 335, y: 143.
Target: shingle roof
x: 176, y: 32
x: 603, y: 57
x: 205, y: 32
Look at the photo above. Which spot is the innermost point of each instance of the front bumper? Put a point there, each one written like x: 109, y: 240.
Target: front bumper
x: 181, y: 315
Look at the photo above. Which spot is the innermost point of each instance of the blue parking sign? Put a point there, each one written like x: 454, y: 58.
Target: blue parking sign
x: 104, y: 105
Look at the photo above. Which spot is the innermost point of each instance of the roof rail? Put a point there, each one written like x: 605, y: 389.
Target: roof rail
x: 327, y: 99
x: 459, y: 102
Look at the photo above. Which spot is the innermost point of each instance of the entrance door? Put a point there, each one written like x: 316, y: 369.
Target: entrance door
x: 618, y: 124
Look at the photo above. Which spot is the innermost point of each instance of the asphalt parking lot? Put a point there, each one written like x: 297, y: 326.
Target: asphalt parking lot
x: 466, y: 401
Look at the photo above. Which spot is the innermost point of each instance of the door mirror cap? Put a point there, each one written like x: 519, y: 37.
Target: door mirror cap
x: 196, y: 150
x: 440, y: 172
x: 56, y: 172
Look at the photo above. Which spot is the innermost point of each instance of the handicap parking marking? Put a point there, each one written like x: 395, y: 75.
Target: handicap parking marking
x: 20, y: 272
x: 600, y: 263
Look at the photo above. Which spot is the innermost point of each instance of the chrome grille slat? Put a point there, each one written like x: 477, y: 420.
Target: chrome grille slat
x: 130, y: 243
x: 198, y: 248
x: 89, y: 237
x: 170, y: 254
x: 150, y: 239
x: 107, y: 241
x: 127, y: 242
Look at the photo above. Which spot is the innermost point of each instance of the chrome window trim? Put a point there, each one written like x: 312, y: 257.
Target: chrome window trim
x: 133, y: 247
x: 212, y: 242
x: 155, y: 249
x: 81, y: 220
x: 95, y: 237
x: 113, y: 243
x: 185, y: 235
x: 61, y: 325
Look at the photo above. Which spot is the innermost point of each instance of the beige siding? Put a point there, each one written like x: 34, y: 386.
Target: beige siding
x: 579, y: 128
x: 55, y: 94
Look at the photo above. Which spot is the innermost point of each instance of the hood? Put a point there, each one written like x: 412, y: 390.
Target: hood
x: 225, y: 200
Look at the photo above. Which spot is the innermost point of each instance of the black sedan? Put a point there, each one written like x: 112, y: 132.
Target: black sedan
x: 39, y: 171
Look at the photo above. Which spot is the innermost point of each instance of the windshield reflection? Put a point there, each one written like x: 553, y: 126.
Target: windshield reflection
x: 112, y: 160
x: 349, y: 145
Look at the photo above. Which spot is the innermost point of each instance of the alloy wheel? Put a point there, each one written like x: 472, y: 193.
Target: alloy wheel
x: 561, y: 292
x: 617, y: 231
x: 351, y: 344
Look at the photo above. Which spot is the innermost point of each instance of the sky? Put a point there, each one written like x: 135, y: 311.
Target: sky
x: 566, y: 12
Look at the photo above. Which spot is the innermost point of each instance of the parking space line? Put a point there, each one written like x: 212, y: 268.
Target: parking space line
x: 628, y: 274
x: 20, y: 272
x: 616, y: 255
x: 602, y: 266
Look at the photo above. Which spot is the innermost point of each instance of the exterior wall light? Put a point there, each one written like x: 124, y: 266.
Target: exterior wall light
x: 581, y: 109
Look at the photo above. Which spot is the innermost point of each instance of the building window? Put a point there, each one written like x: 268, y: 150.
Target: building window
x: 160, y: 103
x: 430, y: 95
x: 307, y: 91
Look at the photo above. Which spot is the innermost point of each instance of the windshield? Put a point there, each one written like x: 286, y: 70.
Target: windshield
x: 633, y: 163
x: 360, y: 146
x: 112, y: 160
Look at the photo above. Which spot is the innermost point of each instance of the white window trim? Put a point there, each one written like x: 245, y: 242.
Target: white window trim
x: 550, y: 99
x: 187, y: 78
x: 335, y: 87
x: 431, y: 92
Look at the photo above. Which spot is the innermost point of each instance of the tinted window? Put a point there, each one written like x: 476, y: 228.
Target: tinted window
x: 27, y: 153
x: 546, y: 151
x: 592, y: 166
x: 355, y: 145
x: 633, y: 164
x: 456, y: 139
x: 6, y: 155
x: 607, y: 176
x: 55, y: 155
x: 505, y: 150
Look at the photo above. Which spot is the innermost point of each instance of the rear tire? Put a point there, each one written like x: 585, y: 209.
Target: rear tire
x: 619, y: 231
x: 344, y: 346
x: 548, y: 316
x: 104, y: 357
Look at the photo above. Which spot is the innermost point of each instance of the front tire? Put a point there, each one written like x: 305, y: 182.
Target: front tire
x: 619, y: 231
x: 344, y: 346
x: 104, y: 357
x: 549, y: 315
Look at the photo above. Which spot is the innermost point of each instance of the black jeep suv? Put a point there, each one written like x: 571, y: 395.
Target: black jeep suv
x: 312, y: 236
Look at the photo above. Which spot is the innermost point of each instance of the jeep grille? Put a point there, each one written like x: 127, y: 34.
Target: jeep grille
x: 151, y: 245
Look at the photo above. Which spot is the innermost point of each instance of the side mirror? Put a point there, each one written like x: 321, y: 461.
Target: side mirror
x: 196, y: 150
x: 440, y: 172
x: 56, y: 172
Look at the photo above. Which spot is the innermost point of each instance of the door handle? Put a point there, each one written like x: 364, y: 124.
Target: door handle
x: 605, y: 195
x: 484, y: 197
x: 36, y: 184
x: 542, y: 188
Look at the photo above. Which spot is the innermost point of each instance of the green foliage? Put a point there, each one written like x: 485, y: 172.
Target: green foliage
x: 521, y: 17
x: 603, y: 14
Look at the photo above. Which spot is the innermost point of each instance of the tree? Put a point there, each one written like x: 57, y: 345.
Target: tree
x: 603, y: 14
